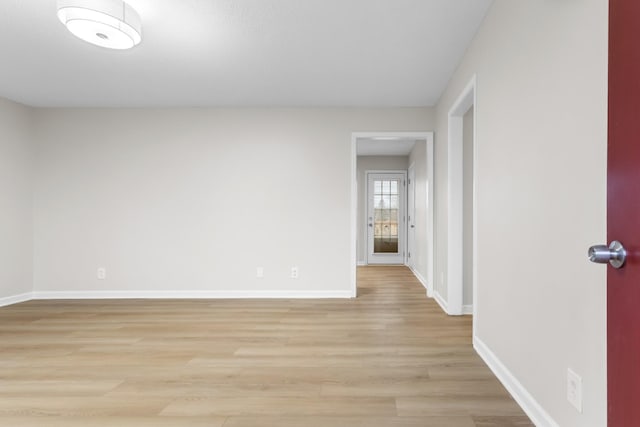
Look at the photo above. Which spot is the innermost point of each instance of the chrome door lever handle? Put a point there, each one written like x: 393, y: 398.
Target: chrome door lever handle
x: 615, y: 254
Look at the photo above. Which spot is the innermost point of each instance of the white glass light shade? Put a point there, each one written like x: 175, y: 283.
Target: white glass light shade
x: 108, y: 23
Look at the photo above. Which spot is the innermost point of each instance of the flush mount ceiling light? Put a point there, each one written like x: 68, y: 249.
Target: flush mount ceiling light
x: 108, y: 23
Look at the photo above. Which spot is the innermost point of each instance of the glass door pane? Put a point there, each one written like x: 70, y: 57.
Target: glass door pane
x: 386, y: 206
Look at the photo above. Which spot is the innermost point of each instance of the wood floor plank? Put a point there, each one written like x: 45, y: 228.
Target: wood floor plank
x: 390, y: 357
x: 413, y: 387
x: 515, y: 421
x: 113, y: 421
x: 446, y: 406
x: 282, y: 406
x: 79, y: 406
x: 235, y: 389
x: 30, y: 387
x: 365, y: 421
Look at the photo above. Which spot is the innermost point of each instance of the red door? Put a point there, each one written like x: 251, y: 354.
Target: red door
x: 623, y: 214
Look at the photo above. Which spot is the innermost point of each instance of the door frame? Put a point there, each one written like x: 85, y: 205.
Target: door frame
x: 353, y: 235
x: 411, y: 174
x: 403, y: 229
x: 454, y: 304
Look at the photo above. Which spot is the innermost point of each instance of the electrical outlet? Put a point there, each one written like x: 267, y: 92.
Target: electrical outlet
x: 574, y: 389
x: 259, y: 272
x: 101, y: 274
x: 294, y: 272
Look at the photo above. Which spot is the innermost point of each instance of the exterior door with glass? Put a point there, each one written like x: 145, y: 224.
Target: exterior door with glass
x: 386, y: 217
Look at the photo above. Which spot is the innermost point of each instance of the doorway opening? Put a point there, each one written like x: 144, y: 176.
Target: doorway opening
x: 388, y: 153
x: 462, y: 218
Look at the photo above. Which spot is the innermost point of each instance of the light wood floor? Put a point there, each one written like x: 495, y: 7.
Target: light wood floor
x: 388, y: 358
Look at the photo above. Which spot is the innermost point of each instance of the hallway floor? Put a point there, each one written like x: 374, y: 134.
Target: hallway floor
x: 387, y: 358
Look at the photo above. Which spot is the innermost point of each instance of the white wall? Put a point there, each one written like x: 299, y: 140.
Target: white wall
x: 196, y: 199
x: 16, y: 207
x: 541, y: 138
x: 365, y: 163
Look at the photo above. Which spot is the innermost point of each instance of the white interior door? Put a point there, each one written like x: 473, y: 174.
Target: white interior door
x: 386, y: 217
x: 411, y: 215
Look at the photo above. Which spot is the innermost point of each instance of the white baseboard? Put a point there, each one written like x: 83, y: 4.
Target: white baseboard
x: 441, y: 301
x: 15, y: 299
x: 467, y: 309
x: 529, y: 405
x: 361, y: 263
x: 421, y: 279
x: 39, y: 295
x: 191, y: 294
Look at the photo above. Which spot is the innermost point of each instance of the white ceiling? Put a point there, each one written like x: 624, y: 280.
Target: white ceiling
x: 384, y: 147
x: 242, y: 53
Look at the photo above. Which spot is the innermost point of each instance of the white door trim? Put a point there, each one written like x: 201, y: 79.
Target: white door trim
x: 466, y: 100
x: 431, y: 234
x: 411, y: 213
x: 402, y: 229
x: 353, y: 235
